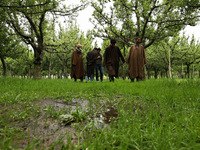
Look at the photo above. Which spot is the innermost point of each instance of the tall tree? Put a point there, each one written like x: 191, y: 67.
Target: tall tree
x: 65, y: 43
x: 10, y: 46
x: 153, y: 19
x: 21, y: 66
x: 29, y: 18
x: 190, y: 53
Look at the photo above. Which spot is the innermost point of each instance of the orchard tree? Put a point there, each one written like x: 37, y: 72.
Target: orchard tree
x: 154, y: 20
x: 190, y: 53
x: 172, y: 54
x: 157, y: 60
x: 21, y: 66
x: 29, y: 19
x: 66, y: 42
x: 10, y: 47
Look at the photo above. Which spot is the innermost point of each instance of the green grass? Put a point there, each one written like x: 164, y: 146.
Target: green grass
x: 153, y: 114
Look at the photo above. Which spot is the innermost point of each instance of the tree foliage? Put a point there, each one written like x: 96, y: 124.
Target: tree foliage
x: 153, y: 19
x: 29, y: 20
x: 62, y: 46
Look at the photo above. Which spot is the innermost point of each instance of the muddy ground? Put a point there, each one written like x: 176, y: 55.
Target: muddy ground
x: 59, y: 122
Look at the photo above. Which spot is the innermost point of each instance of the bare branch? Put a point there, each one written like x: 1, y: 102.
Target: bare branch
x: 24, y: 6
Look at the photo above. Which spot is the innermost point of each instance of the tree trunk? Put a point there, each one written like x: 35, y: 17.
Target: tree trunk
x: 156, y: 74
x: 188, y: 71
x: 124, y: 65
x: 166, y: 72
x: 10, y: 71
x: 199, y: 73
x: 38, y: 57
x: 49, y: 71
x: 193, y: 71
x: 161, y: 74
x: 37, y: 71
x: 170, y: 69
x: 144, y: 71
x: 124, y: 71
x: 29, y: 72
x: 65, y: 67
x: 182, y: 71
x: 4, y: 67
x: 58, y: 74
x: 148, y: 73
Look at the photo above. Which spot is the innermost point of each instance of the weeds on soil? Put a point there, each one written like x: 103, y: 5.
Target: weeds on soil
x: 152, y: 114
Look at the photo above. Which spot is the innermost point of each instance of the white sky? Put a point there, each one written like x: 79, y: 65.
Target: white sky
x: 85, y: 24
x: 190, y: 30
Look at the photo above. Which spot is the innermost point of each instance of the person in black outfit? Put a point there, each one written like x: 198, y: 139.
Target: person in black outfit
x: 91, y: 64
x: 99, y: 66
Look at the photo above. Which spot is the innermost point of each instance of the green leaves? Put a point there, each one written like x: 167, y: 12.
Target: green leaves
x: 155, y: 20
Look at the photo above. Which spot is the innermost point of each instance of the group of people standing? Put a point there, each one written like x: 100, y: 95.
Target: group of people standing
x: 94, y: 62
x: 112, y: 55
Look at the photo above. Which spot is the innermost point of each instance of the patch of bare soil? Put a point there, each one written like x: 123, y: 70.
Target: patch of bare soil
x: 46, y: 130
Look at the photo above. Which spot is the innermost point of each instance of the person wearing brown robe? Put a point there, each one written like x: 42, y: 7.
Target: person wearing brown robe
x: 91, y: 63
x: 77, y: 69
x: 136, y: 60
x: 112, y: 57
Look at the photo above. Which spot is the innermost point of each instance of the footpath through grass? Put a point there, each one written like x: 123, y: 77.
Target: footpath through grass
x: 153, y: 114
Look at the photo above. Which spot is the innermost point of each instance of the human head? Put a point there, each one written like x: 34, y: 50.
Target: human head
x: 79, y: 46
x: 113, y: 41
x: 95, y: 49
x: 98, y: 50
x: 137, y: 39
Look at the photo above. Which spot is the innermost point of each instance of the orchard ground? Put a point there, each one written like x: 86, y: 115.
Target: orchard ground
x: 62, y: 114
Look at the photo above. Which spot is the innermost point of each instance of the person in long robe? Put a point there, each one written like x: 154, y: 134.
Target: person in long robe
x: 112, y: 57
x: 136, y: 60
x: 91, y: 63
x: 77, y: 69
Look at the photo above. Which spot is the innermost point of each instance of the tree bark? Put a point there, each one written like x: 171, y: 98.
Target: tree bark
x: 193, y: 71
x: 58, y: 74
x: 161, y: 74
x: 65, y: 67
x: 149, y: 73
x: 156, y: 74
x: 37, y: 70
x: 166, y: 72
x: 4, y: 67
x: 182, y: 71
x: 10, y: 71
x: 29, y: 72
x: 170, y: 68
x: 188, y: 71
x: 199, y: 73
x: 124, y: 65
x: 49, y: 71
x: 38, y: 57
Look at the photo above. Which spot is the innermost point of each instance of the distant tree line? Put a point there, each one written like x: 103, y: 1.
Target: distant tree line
x: 34, y: 43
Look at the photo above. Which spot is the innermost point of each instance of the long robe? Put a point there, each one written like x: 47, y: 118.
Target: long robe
x: 77, y: 65
x: 112, y: 57
x: 91, y: 62
x: 136, y: 60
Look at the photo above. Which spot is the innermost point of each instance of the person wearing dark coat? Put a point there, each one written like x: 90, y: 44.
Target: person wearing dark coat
x: 99, y: 67
x: 77, y: 69
x: 91, y: 63
x: 136, y: 60
x: 112, y: 57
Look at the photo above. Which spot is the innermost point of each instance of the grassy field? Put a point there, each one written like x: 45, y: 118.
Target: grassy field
x: 62, y: 114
